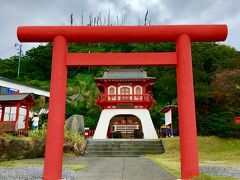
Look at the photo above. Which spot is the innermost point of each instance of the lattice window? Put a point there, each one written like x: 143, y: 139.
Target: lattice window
x: 111, y: 91
x: 111, y: 94
x: 125, y: 91
x: 138, y: 92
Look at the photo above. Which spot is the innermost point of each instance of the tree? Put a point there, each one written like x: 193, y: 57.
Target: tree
x: 85, y: 89
x: 226, y: 89
x: 8, y: 67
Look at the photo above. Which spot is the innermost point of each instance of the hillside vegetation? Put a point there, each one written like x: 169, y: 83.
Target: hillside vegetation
x: 216, y: 80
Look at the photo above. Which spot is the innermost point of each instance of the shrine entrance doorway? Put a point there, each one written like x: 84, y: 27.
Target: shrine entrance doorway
x: 125, y: 127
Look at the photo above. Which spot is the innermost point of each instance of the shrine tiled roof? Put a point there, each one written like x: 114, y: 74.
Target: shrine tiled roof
x: 167, y: 108
x: 125, y: 74
x: 13, y: 97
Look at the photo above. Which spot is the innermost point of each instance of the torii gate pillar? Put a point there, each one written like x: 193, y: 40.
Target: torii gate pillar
x: 186, y: 109
x: 56, y: 116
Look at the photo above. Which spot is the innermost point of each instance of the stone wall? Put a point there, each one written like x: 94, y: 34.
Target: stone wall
x: 20, y: 149
x: 28, y: 148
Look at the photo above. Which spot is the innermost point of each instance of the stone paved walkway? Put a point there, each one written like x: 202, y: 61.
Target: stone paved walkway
x: 99, y: 168
x: 123, y: 168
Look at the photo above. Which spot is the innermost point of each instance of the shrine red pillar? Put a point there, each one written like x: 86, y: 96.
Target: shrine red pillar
x: 55, y: 132
x: 186, y: 109
x: 27, y: 117
x: 17, y: 115
x: 3, y: 113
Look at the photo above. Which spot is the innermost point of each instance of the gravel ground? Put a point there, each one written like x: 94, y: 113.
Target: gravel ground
x: 221, y: 171
x: 30, y: 173
x: 36, y: 172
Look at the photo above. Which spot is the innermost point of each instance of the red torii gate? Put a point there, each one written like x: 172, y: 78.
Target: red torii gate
x: 183, y: 35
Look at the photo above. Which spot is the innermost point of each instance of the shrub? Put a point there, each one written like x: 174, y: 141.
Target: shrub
x: 73, y: 142
x: 39, y: 134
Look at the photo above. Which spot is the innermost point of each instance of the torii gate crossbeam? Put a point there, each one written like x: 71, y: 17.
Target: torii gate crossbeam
x: 183, y: 35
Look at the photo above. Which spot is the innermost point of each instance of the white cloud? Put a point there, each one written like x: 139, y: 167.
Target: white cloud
x: 57, y: 12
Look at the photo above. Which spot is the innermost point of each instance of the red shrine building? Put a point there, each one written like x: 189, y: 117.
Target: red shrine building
x: 125, y: 99
x: 9, y: 123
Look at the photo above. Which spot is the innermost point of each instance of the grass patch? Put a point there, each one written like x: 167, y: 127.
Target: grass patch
x: 213, y: 151
x: 219, y: 151
x: 170, y: 159
x: 74, y: 167
x: 10, y: 137
x: 19, y: 163
x: 208, y: 177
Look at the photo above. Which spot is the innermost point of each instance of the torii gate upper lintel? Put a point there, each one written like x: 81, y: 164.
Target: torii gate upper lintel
x: 183, y: 35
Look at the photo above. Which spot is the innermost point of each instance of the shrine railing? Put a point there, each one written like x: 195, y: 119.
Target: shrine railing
x: 123, y: 98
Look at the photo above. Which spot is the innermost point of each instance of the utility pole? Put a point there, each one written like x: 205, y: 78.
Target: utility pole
x: 82, y: 18
x: 71, y: 19
x: 19, y: 52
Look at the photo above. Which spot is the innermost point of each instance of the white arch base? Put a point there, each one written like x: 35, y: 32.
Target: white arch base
x: 143, y: 115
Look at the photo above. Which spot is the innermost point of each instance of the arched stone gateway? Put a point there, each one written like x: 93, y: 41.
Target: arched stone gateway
x: 142, y: 114
x: 125, y: 126
x: 183, y: 35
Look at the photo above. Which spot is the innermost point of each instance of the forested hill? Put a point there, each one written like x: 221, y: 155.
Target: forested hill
x: 216, y: 70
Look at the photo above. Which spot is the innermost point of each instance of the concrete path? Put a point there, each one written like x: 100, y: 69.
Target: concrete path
x: 99, y: 168
x: 122, y: 168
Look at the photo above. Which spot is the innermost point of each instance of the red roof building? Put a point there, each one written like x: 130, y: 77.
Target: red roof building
x: 125, y: 88
x: 23, y: 100
x: 126, y: 94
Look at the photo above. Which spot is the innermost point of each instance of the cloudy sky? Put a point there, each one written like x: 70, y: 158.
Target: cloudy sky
x: 14, y: 13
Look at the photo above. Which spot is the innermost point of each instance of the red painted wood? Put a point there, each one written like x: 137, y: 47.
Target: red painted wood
x: 105, y: 100
x: 122, y: 59
x: 27, y: 117
x: 17, y: 114
x: 186, y: 110
x: 162, y: 33
x: 237, y: 120
x: 2, y: 113
x: 56, y: 116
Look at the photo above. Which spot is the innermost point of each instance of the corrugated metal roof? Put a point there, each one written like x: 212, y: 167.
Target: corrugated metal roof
x: 15, y: 82
x: 125, y: 74
x: 13, y: 97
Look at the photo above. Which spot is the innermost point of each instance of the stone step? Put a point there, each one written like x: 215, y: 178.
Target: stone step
x: 113, y: 155
x: 123, y: 144
x: 122, y: 141
x: 118, y: 153
x: 118, y: 143
x: 123, y: 147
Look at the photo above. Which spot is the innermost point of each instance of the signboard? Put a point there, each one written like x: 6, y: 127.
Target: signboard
x: 237, y: 120
x: 124, y: 105
x: 168, y: 117
x: 12, y: 91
